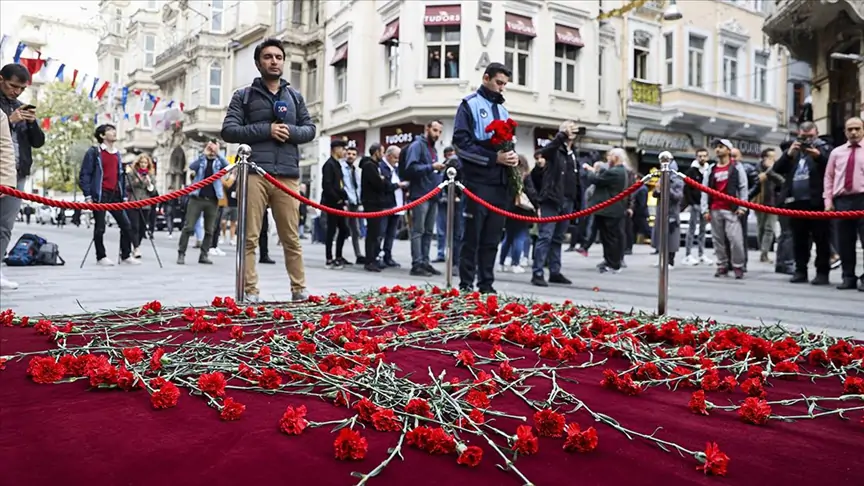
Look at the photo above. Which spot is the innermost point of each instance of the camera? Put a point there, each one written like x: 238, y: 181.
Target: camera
x: 805, y: 143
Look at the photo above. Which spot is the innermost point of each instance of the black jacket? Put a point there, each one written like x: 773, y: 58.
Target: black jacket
x: 608, y: 184
x: 333, y: 193
x: 29, y: 136
x: 552, y: 188
x: 693, y: 196
x: 375, y: 191
x: 786, y: 166
x: 767, y: 192
x: 250, y: 124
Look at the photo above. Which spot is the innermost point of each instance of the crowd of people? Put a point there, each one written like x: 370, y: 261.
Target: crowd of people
x: 809, y: 175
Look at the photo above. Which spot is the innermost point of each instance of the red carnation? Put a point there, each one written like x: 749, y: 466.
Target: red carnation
x: 385, y: 420
x: 471, y: 456
x: 525, y: 441
x: 44, y: 370
x: 755, y: 411
x: 418, y: 406
x: 477, y: 398
x: 753, y: 387
x: 293, y: 421
x: 697, y: 403
x: 156, y: 359
x: 126, y: 380
x: 853, y: 385
x: 133, y: 355
x: 212, y: 383
x: 715, y: 460
x: 231, y: 410
x: 269, y: 379
x: 366, y: 409
x: 166, y: 396
x: 580, y: 440
x: 349, y: 445
x: 465, y: 358
x: 306, y: 348
x: 440, y: 442
x: 236, y: 332
x: 549, y: 423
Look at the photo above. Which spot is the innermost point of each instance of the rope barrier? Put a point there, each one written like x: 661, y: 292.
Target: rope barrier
x: 9, y: 191
x: 554, y: 219
x: 348, y: 214
x: 792, y: 213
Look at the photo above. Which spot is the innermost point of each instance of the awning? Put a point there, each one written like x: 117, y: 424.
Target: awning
x: 391, y: 33
x: 517, y: 24
x: 443, y: 16
x: 568, y: 36
x: 341, y: 54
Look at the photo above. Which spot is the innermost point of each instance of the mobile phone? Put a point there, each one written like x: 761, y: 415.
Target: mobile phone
x: 28, y: 107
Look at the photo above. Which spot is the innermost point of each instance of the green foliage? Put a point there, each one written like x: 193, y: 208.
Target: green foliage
x: 65, y: 142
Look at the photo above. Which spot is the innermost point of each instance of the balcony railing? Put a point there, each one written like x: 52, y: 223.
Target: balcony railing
x: 644, y: 93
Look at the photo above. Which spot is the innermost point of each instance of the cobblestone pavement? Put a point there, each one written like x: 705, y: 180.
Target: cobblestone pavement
x: 763, y: 297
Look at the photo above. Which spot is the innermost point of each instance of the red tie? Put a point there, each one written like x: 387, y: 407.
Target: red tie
x: 850, y: 168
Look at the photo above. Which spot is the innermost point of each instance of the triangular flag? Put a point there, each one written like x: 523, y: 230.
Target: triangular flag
x: 74, y: 77
x: 137, y: 118
x: 18, y: 51
x: 80, y: 87
x: 46, y: 124
x: 170, y: 103
x: 124, y: 97
x: 93, y: 88
x: 155, y: 103
x: 59, y: 74
x: 3, y: 44
x: 102, y: 90
x: 32, y: 65
x: 182, y: 106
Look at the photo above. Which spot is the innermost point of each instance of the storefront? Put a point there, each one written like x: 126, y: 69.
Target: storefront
x: 400, y: 135
x: 588, y: 149
x: 355, y: 139
x: 650, y: 143
x: 751, y: 150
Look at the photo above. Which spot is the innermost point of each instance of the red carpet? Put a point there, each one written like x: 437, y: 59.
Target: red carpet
x: 67, y: 433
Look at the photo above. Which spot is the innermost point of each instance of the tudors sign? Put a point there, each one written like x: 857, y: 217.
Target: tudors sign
x: 443, y: 16
x: 672, y: 141
x: 355, y: 140
x: 400, y: 135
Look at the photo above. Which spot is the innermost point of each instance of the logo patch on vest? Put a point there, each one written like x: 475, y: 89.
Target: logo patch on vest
x: 483, y: 113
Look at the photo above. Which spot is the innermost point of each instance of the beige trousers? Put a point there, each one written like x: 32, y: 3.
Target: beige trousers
x: 286, y: 215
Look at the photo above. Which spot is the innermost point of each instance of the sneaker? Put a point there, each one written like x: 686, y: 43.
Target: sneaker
x: 299, y: 296
x: 557, y: 278
x: 136, y: 253
x: 820, y: 280
x: 204, y: 259
x: 372, y: 267
x: 582, y: 252
x: 342, y: 261
x: 252, y: 299
x: 213, y: 252
x: 835, y: 262
x: 721, y: 272
x: 7, y: 284
x: 739, y: 273
x: 419, y: 272
x: 432, y: 270
x: 130, y: 261
x: 181, y: 259
x: 705, y: 260
x: 334, y: 265
x: 517, y: 269
x: 691, y: 260
x: 503, y: 268
x: 105, y: 262
x: 538, y: 281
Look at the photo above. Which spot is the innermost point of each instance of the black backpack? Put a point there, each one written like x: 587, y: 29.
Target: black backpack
x: 248, y: 90
x: 401, y: 166
x: 32, y: 249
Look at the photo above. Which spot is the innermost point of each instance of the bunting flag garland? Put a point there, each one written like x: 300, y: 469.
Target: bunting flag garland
x: 101, y: 92
x: 59, y: 75
x: 93, y: 88
x: 18, y: 51
x: 74, y: 77
x: 33, y: 65
x: 3, y: 40
x: 83, y: 82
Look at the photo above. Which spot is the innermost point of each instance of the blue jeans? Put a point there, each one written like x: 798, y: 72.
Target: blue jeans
x: 199, y: 229
x: 550, y: 239
x: 441, y: 228
x: 422, y: 232
x: 389, y: 226
x: 458, y: 230
x: 516, y: 242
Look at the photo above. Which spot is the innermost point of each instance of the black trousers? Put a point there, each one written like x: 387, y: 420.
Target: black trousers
x: 122, y: 222
x: 482, y: 235
x: 611, y: 235
x: 334, y: 224
x: 848, y: 232
x: 809, y: 232
x: 373, y: 236
x: 143, y: 222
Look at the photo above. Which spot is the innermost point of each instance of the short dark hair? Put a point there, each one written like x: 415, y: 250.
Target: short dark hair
x: 15, y: 70
x: 766, y: 152
x: 449, y: 149
x: 101, y: 129
x: 701, y: 149
x: 538, y: 153
x: 494, y: 68
x: 374, y: 148
x: 434, y: 121
x: 268, y: 43
x: 351, y: 148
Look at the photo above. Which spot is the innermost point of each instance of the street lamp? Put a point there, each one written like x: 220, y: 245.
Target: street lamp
x: 672, y: 12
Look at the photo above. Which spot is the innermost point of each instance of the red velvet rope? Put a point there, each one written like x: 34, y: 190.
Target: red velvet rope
x: 792, y: 213
x: 349, y: 214
x: 554, y: 219
x: 9, y: 191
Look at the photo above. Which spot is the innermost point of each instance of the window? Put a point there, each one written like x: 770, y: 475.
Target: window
x: 442, y: 52
x: 115, y: 74
x: 217, y: 8
x: 517, y: 48
x: 730, y: 70
x: 601, y: 71
x: 312, y: 80
x: 297, y: 13
x: 117, y: 24
x: 145, y: 112
x: 696, y: 62
x: 799, y: 94
x: 670, y: 58
x: 391, y: 51
x: 296, y: 75
x: 760, y: 77
x: 341, y: 82
x: 641, y: 52
x: 151, y: 5
x: 215, y: 86
x: 280, y: 15
x: 566, y: 57
x: 149, y: 50
x: 194, y: 88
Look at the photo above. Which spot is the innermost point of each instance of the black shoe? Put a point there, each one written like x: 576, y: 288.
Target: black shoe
x: 361, y: 260
x: 798, y: 278
x: 739, y: 273
x: 466, y: 289
x: 205, y: 260
x: 487, y: 290
x: 848, y: 284
x: 344, y: 262
x: 440, y: 260
x: 181, y: 259
x: 334, y: 264
x: 267, y: 260
x: 820, y: 280
x: 538, y: 281
x: 372, y: 267
x: 557, y: 278
x: 391, y: 264
x: 419, y: 272
x: 432, y: 270
x: 721, y: 272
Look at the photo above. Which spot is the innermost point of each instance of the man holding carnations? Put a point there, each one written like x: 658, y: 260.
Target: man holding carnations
x: 486, y: 172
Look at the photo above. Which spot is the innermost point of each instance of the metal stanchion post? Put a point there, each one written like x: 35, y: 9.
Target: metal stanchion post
x: 243, y: 152
x: 661, y: 221
x: 451, y: 225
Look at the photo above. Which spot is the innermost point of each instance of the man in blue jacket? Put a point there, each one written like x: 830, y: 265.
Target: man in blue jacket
x: 421, y: 164
x: 203, y: 201
x: 484, y: 172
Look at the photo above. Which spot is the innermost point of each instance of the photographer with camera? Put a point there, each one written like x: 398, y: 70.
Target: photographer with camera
x: 803, y: 167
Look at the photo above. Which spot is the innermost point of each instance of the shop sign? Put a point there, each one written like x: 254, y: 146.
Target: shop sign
x: 671, y: 141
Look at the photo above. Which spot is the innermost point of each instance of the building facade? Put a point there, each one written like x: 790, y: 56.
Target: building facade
x: 393, y: 66
x: 709, y: 75
x: 828, y: 35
